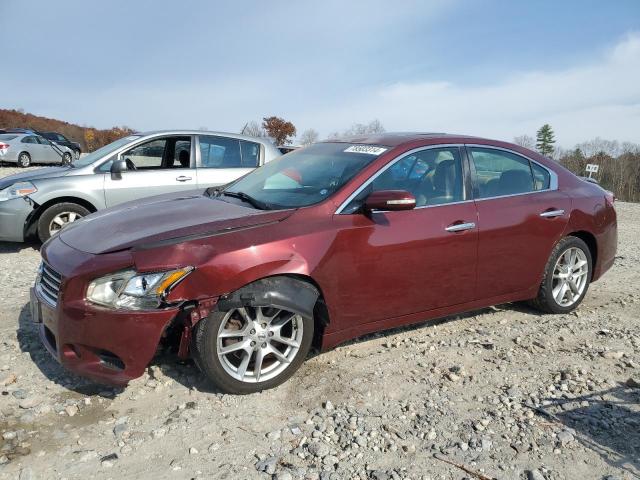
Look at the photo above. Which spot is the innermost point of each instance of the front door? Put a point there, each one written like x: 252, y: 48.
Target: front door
x: 157, y: 166
x: 521, y: 216
x: 398, y: 263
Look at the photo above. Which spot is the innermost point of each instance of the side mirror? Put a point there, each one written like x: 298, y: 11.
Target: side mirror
x: 118, y: 166
x: 390, y: 200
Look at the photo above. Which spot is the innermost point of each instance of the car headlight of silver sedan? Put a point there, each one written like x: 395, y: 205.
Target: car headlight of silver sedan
x: 17, y: 190
x: 131, y: 290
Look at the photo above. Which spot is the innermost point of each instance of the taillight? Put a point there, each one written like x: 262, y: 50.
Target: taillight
x: 610, y: 197
x: 4, y: 146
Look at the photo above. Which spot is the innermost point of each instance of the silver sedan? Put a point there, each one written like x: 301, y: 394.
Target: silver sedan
x: 27, y: 148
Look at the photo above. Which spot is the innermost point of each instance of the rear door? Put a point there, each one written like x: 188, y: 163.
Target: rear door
x: 222, y: 160
x: 160, y: 165
x: 49, y: 153
x: 521, y: 216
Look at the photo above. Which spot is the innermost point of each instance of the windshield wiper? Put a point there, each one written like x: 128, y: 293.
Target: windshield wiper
x: 247, y: 198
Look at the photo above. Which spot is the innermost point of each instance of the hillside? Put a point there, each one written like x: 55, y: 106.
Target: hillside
x: 90, y: 138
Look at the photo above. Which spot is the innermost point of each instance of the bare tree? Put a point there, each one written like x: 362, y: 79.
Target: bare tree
x: 374, y: 126
x: 253, y: 129
x: 525, y: 141
x: 309, y: 136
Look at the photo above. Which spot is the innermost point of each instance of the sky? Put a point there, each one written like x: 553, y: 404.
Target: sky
x: 495, y: 68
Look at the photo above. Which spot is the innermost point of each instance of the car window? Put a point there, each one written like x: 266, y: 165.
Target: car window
x: 43, y: 141
x: 433, y: 176
x: 148, y: 155
x: 250, y: 153
x: 541, y: 177
x: 7, y: 137
x: 220, y: 152
x: 501, y: 173
x: 29, y: 139
x: 181, y: 153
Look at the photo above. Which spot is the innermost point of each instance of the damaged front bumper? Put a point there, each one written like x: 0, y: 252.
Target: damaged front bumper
x: 13, y: 218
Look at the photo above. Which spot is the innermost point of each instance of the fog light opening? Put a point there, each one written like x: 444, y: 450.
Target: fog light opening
x: 110, y: 360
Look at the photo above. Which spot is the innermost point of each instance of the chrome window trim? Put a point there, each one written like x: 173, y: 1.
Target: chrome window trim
x: 553, y: 176
x: 343, y: 205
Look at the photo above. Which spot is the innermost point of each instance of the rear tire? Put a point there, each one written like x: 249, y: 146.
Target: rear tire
x: 262, y: 330
x: 566, y: 277
x: 58, y: 216
x: 24, y: 160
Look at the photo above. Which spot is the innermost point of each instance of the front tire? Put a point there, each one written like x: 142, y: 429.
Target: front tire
x: 66, y: 158
x: 24, y: 160
x: 58, y: 216
x: 253, y: 348
x: 566, y: 278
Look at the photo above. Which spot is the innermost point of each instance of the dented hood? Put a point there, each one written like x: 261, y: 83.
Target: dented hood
x: 156, y: 220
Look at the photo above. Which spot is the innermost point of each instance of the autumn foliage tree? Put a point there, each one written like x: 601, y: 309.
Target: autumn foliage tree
x: 279, y: 129
x: 89, y: 138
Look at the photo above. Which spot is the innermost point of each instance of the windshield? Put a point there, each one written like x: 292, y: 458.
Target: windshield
x: 306, y: 176
x: 106, y: 150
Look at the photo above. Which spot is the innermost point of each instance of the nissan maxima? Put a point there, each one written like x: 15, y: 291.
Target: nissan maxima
x: 322, y: 245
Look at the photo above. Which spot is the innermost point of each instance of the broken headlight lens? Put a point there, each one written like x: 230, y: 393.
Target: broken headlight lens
x: 131, y: 290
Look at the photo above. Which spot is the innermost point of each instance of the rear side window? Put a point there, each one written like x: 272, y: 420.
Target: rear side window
x: 223, y: 152
x: 250, y: 152
x: 220, y: 152
x: 541, y: 177
x: 30, y: 139
x: 500, y: 173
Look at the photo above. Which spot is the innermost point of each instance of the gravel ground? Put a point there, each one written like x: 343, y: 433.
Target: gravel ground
x: 504, y: 393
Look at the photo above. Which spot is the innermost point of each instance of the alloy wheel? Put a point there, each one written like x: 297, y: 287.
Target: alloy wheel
x: 570, y: 277
x: 62, y: 220
x: 256, y: 344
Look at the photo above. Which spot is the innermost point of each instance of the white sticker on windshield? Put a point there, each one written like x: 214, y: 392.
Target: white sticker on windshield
x: 368, y: 149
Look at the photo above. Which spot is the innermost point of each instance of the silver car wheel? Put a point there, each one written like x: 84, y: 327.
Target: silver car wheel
x: 570, y: 277
x: 76, y: 154
x: 62, y: 220
x: 256, y: 344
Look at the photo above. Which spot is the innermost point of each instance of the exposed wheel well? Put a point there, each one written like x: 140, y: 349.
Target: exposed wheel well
x: 591, y: 242
x: 32, y: 220
x: 320, y: 311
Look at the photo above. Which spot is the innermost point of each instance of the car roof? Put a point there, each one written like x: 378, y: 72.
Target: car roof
x: 263, y: 140
x: 393, y: 139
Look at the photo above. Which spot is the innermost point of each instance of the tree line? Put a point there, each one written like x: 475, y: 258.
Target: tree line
x: 89, y: 138
x: 619, y: 162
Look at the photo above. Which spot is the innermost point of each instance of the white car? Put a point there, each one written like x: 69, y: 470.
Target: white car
x: 27, y: 148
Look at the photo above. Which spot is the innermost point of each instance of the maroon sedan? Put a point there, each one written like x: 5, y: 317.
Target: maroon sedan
x: 327, y: 243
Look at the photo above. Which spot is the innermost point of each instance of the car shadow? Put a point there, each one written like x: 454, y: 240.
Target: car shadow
x: 30, y: 343
x: 186, y: 372
x: 17, y: 247
x: 606, y: 422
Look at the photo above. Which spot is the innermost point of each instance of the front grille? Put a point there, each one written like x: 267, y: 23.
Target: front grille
x: 49, y: 284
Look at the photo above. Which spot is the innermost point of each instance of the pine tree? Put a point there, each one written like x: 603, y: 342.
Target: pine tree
x: 545, y: 140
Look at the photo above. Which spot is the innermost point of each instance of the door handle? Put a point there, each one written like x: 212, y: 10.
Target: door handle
x: 459, y: 227
x: 182, y: 178
x: 552, y: 213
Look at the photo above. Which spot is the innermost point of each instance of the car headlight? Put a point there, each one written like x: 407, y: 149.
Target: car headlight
x: 131, y: 290
x: 17, y: 190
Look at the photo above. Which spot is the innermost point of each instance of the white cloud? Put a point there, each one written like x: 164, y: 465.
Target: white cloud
x: 580, y: 102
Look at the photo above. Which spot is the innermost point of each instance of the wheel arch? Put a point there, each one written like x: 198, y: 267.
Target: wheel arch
x: 591, y: 241
x: 308, y: 301
x: 31, y: 223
